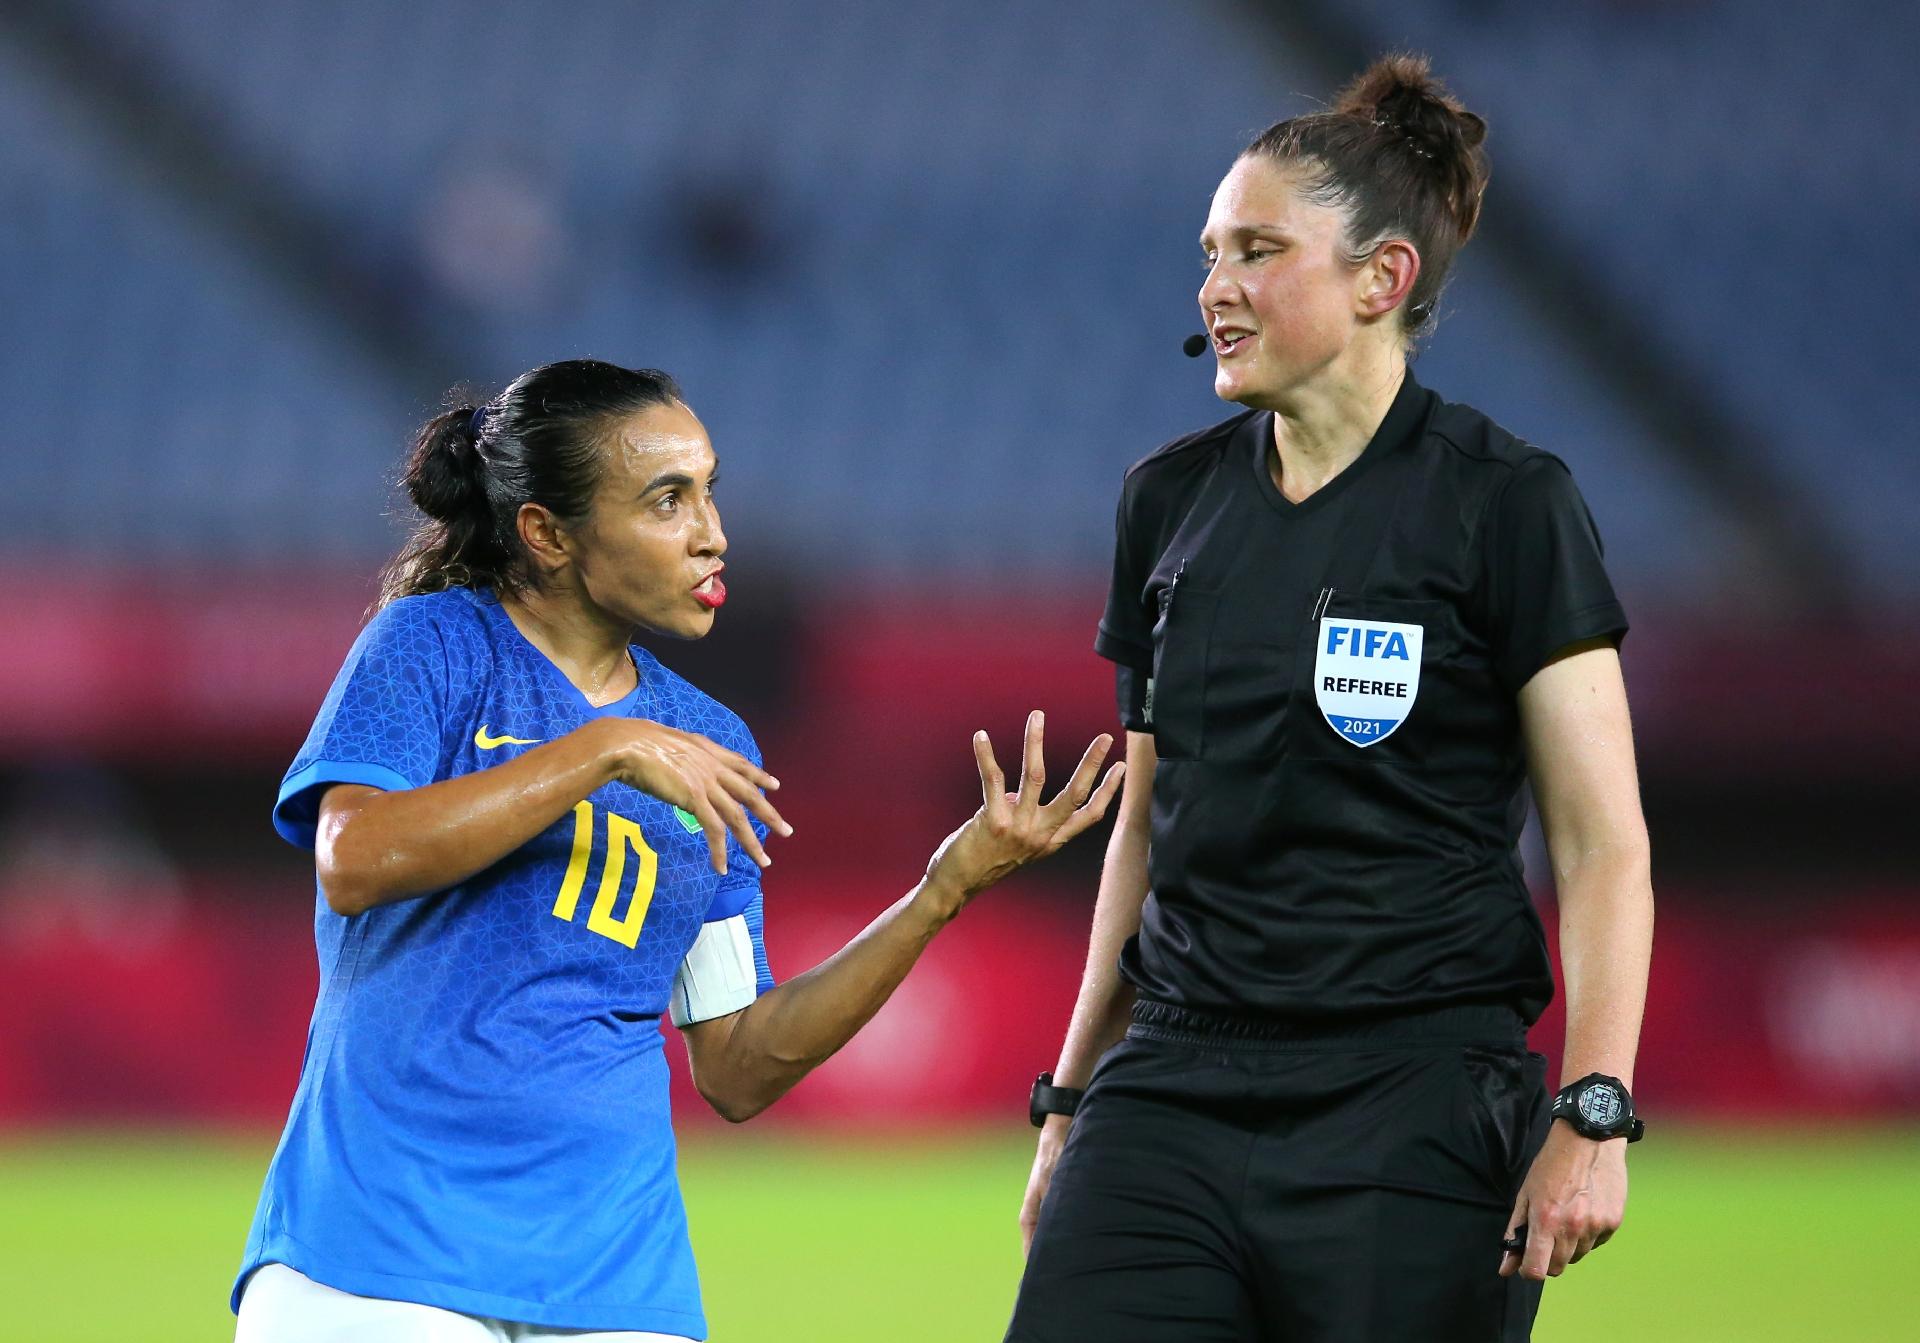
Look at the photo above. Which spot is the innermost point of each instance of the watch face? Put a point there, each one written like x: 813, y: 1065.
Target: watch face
x: 1600, y: 1106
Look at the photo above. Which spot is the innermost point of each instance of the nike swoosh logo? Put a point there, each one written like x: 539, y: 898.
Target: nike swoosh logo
x: 486, y: 743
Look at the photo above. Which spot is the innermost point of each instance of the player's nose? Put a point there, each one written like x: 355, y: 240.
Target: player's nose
x: 709, y: 538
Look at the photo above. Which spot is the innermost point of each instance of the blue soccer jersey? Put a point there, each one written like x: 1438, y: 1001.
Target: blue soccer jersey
x: 481, y: 1122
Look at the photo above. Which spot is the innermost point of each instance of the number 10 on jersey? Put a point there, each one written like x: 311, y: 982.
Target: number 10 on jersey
x: 622, y: 835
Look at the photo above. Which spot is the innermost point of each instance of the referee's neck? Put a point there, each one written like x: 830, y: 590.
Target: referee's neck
x: 1323, y: 427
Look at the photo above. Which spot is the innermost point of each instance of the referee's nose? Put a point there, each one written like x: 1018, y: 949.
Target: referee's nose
x: 1216, y: 292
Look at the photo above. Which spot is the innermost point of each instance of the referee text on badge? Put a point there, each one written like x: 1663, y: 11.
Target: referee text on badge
x: 1365, y: 676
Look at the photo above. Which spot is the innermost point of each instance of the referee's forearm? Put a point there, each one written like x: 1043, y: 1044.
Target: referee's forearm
x: 1101, y: 1011
x: 1606, y: 944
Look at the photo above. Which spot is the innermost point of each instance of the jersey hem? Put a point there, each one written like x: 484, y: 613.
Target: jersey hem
x: 1123, y: 651
x: 489, y: 1305
x: 1599, y: 621
x: 731, y: 903
x: 298, y: 829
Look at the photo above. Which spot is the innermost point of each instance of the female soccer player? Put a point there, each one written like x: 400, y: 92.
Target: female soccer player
x: 1349, y: 622
x: 532, y: 839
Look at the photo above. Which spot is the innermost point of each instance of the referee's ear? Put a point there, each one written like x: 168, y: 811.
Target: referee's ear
x: 1387, y: 277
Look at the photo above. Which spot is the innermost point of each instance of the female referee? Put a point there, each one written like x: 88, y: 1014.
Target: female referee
x: 532, y: 839
x: 1350, y: 622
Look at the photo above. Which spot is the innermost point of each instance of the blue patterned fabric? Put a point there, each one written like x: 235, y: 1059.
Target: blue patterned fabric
x: 481, y: 1122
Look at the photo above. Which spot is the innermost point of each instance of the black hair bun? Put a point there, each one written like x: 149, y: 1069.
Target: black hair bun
x: 445, y: 477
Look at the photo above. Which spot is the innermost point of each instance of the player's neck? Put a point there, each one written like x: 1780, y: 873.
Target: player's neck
x: 589, y: 649
x: 1321, y: 430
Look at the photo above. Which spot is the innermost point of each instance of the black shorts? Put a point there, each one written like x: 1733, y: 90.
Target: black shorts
x: 1234, y: 1180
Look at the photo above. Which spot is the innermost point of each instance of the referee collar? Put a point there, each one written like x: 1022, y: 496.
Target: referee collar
x: 1405, y: 420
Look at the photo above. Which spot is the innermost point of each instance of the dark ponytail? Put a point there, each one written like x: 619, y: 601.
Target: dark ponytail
x: 472, y: 467
x: 1402, y: 157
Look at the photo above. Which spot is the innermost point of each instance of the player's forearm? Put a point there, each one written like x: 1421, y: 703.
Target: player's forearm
x: 376, y: 848
x: 795, y: 1027
x: 1606, y: 945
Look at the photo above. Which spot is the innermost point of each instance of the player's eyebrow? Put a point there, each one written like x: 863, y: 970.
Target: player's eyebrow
x: 677, y: 479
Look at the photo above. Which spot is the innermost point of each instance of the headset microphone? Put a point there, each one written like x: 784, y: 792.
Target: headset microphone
x: 1195, y: 345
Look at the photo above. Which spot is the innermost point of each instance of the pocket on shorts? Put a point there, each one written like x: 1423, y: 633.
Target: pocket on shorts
x: 1113, y: 1058
x: 1506, y: 1087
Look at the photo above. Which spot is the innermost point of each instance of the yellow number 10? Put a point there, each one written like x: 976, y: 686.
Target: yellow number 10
x: 622, y: 835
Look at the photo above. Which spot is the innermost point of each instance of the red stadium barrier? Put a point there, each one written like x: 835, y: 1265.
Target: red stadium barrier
x: 238, y: 668
x: 171, y: 1008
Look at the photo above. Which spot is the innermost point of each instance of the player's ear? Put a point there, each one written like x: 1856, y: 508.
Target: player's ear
x: 545, y: 541
x: 1387, y: 277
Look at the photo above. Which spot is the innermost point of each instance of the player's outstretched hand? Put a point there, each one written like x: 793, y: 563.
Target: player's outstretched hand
x: 1013, y: 829
x: 717, y: 787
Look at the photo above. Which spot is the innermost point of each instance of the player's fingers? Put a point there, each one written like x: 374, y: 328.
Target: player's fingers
x: 1096, y: 806
x: 1085, y: 774
x: 736, y: 762
x: 993, y: 783
x: 715, y: 830
x: 742, y: 789
x: 1033, y: 763
x: 735, y: 816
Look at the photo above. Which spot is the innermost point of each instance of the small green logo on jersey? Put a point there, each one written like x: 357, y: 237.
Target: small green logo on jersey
x: 689, y: 820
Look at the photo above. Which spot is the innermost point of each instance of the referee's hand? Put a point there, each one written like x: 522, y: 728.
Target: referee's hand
x: 1013, y: 829
x: 1572, y: 1202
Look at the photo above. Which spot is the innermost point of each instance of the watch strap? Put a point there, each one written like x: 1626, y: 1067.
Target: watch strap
x: 1048, y: 1099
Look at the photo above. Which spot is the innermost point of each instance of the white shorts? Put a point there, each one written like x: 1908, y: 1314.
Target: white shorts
x: 283, y: 1305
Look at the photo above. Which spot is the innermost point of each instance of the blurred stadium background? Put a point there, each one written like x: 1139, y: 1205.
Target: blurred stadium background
x: 924, y: 271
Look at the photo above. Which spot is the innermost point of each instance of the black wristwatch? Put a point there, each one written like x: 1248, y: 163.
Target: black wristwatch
x: 1048, y: 1099
x: 1599, y: 1107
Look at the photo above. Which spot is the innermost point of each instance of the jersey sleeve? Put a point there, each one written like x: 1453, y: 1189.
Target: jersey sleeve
x: 381, y: 724
x: 724, y: 970
x: 1547, y: 585
x: 755, y: 917
x: 1125, y: 637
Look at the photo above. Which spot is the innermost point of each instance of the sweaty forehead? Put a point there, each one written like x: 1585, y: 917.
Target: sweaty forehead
x: 660, y: 438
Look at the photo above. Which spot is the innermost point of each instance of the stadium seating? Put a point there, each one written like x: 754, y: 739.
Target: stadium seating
x: 928, y: 314
x: 1710, y: 160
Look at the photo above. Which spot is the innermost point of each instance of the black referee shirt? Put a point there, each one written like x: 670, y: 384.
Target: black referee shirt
x: 1331, y: 689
